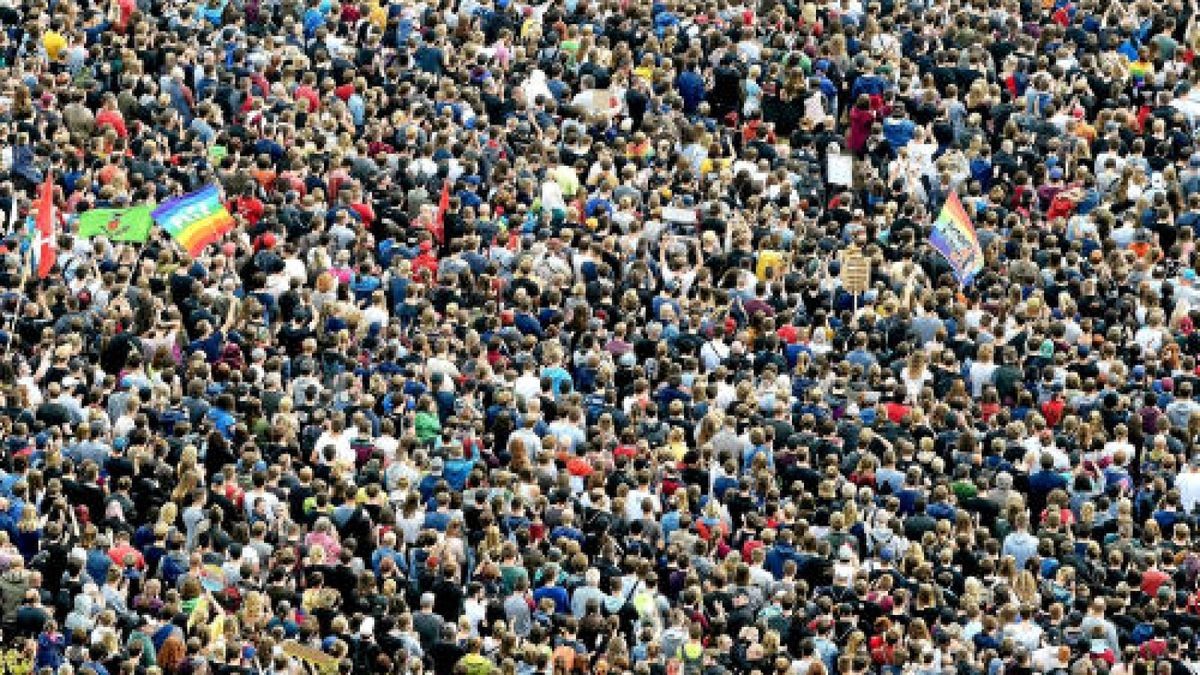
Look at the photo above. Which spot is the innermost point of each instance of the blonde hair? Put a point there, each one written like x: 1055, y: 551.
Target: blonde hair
x: 316, y: 554
x: 1026, y: 587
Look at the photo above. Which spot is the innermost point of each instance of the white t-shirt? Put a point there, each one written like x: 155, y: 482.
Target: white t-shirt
x: 449, y: 371
x: 1112, y: 447
x: 527, y: 387
x: 814, y: 107
x: 981, y: 374
x: 270, y: 500
x: 295, y: 268
x: 343, y: 453
x: 1149, y: 339
x: 914, y: 385
x: 376, y: 315
x: 633, y: 504
x: 552, y: 196
x: 1188, y: 485
x: 1034, y: 453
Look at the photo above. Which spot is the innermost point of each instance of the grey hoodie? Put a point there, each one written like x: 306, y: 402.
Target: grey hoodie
x: 81, y: 616
x: 13, y: 585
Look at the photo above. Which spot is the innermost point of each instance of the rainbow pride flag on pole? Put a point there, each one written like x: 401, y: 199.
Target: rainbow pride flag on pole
x: 195, y: 220
x: 954, y: 237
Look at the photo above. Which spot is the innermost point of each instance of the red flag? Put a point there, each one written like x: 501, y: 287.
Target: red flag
x: 443, y: 205
x: 46, y: 246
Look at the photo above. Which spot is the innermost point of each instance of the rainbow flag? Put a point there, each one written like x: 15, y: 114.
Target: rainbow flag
x: 195, y: 220
x: 954, y: 237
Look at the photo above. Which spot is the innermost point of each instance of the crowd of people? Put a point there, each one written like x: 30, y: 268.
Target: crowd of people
x: 533, y: 351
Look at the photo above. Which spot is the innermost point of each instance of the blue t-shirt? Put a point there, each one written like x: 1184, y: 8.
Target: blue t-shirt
x: 562, y: 603
x: 314, y: 18
x: 558, y: 378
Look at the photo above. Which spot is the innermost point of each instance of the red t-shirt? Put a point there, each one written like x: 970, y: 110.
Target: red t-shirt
x: 250, y: 207
x: 749, y: 547
x: 1052, y: 410
x: 629, y: 451
x: 126, y: 8
x: 114, y: 119
x: 309, y: 94
x: 365, y: 213
x: 117, y: 555
x: 896, y: 411
x: 1152, y: 579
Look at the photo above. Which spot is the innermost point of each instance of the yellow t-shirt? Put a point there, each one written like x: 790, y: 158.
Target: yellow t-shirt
x: 767, y: 258
x: 567, y: 179
x: 714, y: 165
x: 378, y: 16
x: 54, y: 44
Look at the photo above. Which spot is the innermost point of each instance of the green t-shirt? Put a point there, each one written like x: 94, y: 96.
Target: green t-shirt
x: 476, y: 664
x: 510, y: 575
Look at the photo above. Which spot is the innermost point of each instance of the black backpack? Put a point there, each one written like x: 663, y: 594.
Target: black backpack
x: 655, y: 433
x: 548, y: 55
x: 688, y: 344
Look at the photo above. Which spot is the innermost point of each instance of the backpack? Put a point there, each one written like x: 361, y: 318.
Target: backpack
x: 755, y: 451
x: 692, y: 656
x: 774, y: 618
x: 566, y: 659
x: 309, y: 437
x: 171, y: 569
x: 655, y: 434
x: 548, y: 56
x: 1142, y: 633
x: 363, y: 449
x: 1191, y: 568
x: 688, y: 344
x: 647, y: 609
x: 1006, y: 380
x: 628, y: 614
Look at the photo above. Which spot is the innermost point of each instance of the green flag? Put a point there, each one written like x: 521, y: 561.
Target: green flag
x: 132, y: 224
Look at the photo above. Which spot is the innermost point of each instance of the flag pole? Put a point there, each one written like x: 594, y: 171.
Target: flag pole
x: 137, y: 262
x: 44, y: 198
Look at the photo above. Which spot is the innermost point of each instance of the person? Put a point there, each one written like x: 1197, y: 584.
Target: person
x: 428, y: 624
x: 1188, y: 485
x: 1020, y: 544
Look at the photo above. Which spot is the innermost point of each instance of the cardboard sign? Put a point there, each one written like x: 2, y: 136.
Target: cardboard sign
x: 856, y: 271
x: 677, y: 215
x: 323, y: 662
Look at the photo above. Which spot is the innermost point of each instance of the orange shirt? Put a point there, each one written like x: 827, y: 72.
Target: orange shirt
x: 264, y: 177
x: 109, y: 173
x: 1140, y: 248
